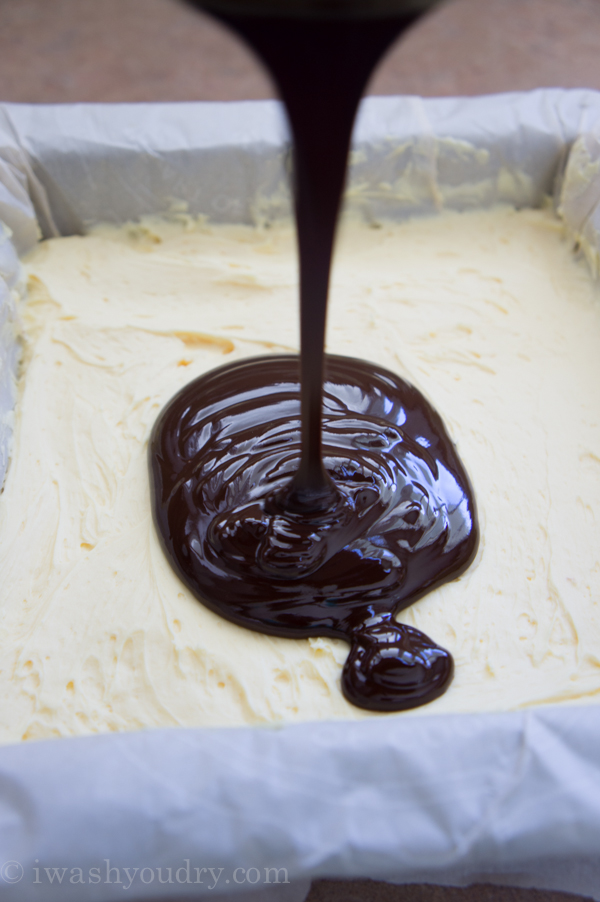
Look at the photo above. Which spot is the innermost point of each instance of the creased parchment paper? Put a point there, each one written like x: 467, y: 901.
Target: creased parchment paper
x: 513, y: 798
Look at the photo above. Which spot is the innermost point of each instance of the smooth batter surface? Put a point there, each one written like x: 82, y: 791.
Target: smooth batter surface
x: 486, y: 313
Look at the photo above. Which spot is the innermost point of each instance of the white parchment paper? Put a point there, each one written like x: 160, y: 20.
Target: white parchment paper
x: 256, y: 813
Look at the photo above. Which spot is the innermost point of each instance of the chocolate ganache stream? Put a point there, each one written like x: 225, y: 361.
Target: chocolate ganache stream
x: 319, y: 495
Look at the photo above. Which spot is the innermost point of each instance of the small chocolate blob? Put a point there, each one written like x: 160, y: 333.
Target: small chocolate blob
x: 392, y: 666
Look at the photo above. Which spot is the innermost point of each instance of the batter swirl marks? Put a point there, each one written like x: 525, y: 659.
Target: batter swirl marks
x: 317, y: 496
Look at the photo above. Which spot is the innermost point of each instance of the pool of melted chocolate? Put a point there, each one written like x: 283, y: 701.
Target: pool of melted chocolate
x: 223, y: 454
x: 317, y: 496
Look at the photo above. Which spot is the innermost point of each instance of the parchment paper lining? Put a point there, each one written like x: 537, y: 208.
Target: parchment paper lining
x: 512, y: 799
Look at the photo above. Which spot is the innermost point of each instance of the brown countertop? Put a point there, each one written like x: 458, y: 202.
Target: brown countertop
x: 85, y: 50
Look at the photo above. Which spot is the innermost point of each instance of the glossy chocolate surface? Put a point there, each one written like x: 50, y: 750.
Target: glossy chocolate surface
x: 311, y: 496
x: 403, y: 521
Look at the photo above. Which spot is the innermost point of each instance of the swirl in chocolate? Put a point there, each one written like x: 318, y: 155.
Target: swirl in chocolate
x: 223, y: 454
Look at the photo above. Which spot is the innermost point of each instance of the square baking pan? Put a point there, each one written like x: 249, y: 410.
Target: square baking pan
x: 508, y: 798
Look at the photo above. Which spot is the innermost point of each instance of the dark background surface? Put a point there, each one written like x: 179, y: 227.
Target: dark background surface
x: 66, y: 51
x: 112, y: 50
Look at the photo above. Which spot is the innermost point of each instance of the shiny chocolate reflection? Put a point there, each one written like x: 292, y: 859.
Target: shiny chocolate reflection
x: 402, y: 519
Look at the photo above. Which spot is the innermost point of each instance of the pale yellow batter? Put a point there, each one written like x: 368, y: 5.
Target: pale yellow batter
x: 486, y: 312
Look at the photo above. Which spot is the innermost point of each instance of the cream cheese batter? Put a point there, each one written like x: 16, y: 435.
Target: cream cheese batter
x: 486, y: 312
